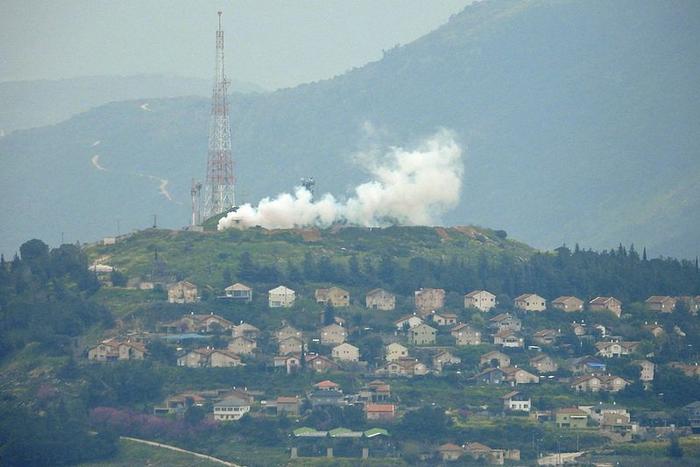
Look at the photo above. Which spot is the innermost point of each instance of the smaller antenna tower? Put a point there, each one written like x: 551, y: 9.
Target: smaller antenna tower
x: 309, y: 184
x: 196, y: 194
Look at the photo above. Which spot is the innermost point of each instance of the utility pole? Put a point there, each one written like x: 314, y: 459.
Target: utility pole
x: 155, y: 221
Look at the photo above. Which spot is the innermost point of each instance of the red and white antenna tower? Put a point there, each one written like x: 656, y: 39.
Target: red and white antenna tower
x: 219, y: 193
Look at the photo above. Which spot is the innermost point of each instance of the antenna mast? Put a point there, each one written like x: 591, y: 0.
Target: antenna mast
x: 219, y: 195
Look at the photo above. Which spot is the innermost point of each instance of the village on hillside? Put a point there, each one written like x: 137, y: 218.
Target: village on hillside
x: 558, y: 362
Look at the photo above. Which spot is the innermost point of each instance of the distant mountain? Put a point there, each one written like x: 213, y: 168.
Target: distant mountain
x: 580, y: 120
x: 29, y: 104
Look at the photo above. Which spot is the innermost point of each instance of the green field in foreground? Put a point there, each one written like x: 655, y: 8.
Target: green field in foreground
x: 137, y: 454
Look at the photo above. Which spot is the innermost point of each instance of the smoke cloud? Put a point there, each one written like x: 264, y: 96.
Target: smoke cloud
x: 407, y: 188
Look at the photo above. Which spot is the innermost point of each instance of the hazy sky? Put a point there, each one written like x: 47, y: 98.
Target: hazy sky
x: 273, y: 43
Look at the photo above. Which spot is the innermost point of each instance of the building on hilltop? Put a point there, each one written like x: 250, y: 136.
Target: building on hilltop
x: 610, y: 304
x: 482, y: 300
x: 239, y: 292
x: 568, y: 304
x: 281, y: 297
x: 380, y: 299
x: 428, y: 300
x: 335, y: 296
x: 182, y: 292
x: 530, y: 302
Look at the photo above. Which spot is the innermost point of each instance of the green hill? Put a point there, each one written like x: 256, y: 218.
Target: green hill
x: 205, y: 257
x: 579, y: 118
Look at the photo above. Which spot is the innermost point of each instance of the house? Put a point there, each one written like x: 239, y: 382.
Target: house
x: 655, y: 329
x: 691, y: 303
x: 444, y: 319
x: 289, y: 345
x: 404, y: 367
x: 614, y: 383
x: 428, y: 300
x: 335, y: 296
x: 197, y: 358
x: 346, y: 353
x: 320, y: 364
x: 239, y: 292
x: 327, y: 385
x: 103, y: 273
x: 395, y: 351
x: 179, y: 403
x: 579, y: 329
x: 378, y: 391
x: 480, y: 299
x: 505, y: 321
x: 407, y: 322
x: 530, y: 302
x: 544, y: 364
x: 231, y: 409
x: 290, y: 362
x: 287, y: 405
x: 450, y: 452
x: 546, y: 336
x: 615, y: 348
x: 465, y: 335
x: 115, y: 349
x: 242, y: 345
x: 515, y: 401
x: 508, y: 338
x: 515, y: 376
x: 182, y: 292
x: 443, y: 359
x: 568, y: 304
x: 197, y: 323
x: 223, y: 359
x: 105, y: 351
x: 245, y: 330
x: 661, y: 303
x: 209, y: 358
x: 611, y: 417
x: 333, y: 334
x: 485, y: 454
x: 586, y: 364
x: 287, y: 331
x: 570, y: 417
x: 382, y: 412
x: 588, y: 383
x: 494, y: 359
x: 491, y: 376
x: 281, y: 297
x: 422, y: 334
x: 596, y: 383
x: 610, y: 304
x: 380, y: 299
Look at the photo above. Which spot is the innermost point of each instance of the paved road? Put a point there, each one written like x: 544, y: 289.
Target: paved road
x: 175, y: 448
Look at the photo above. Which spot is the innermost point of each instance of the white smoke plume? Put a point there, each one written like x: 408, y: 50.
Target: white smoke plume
x: 407, y: 188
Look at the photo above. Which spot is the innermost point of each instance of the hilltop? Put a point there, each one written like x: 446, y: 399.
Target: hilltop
x: 579, y: 120
x: 204, y: 257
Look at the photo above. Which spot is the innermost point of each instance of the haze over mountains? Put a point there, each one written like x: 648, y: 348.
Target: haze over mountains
x: 29, y: 104
x: 580, y: 121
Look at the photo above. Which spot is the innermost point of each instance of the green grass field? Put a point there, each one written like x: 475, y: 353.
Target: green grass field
x: 133, y: 454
